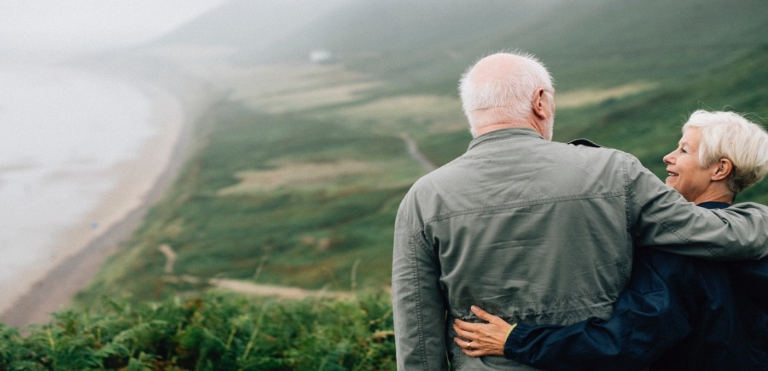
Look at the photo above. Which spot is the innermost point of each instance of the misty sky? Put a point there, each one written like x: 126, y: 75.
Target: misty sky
x: 87, y: 25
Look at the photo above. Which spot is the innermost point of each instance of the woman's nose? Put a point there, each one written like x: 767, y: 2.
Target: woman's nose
x: 668, y: 158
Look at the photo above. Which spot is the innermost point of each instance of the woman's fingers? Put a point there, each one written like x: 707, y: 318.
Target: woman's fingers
x: 477, y: 348
x: 462, y: 343
x: 473, y: 348
x: 481, y: 339
x: 493, y: 328
x: 485, y: 316
x: 462, y: 332
x: 467, y: 326
x: 477, y: 352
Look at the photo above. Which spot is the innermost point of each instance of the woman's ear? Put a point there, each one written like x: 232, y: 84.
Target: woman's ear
x: 722, y: 169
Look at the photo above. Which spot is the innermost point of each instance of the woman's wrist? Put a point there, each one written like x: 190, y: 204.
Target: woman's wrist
x: 510, y: 330
x: 515, y: 341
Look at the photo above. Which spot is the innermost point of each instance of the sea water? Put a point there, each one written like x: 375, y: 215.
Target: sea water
x: 61, y: 130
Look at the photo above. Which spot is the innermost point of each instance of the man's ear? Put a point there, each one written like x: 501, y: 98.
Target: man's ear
x: 722, y: 169
x: 539, y: 104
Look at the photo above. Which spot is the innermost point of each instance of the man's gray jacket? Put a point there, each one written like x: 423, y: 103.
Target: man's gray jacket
x: 538, y: 232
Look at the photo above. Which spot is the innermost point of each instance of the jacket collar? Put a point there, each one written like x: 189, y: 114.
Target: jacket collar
x: 503, y: 134
x: 714, y: 205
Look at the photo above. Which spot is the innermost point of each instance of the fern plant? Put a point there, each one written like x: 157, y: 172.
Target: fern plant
x: 214, y: 332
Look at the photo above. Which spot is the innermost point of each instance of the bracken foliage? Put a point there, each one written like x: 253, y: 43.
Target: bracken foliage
x: 215, y: 332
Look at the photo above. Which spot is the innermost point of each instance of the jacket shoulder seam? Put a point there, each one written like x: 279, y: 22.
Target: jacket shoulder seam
x: 511, y: 205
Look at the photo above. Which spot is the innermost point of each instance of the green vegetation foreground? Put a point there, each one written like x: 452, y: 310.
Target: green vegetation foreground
x: 216, y: 332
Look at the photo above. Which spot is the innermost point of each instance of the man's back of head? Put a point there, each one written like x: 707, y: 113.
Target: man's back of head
x: 503, y: 90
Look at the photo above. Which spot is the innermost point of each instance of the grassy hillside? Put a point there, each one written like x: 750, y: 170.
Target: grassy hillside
x: 282, y: 199
x: 304, y: 165
x: 585, y: 43
x: 304, y: 193
x: 648, y: 125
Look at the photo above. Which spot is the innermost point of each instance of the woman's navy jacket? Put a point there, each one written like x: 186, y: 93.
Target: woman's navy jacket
x: 677, y: 313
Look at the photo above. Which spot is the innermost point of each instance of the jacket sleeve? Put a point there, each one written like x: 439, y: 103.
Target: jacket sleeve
x: 418, y: 305
x: 653, y: 314
x: 660, y: 217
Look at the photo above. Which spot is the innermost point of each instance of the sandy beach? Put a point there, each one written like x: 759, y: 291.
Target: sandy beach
x: 138, y: 182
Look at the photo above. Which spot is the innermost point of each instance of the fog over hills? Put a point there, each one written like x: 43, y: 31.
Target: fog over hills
x: 249, y: 26
x: 580, y: 41
x: 428, y: 41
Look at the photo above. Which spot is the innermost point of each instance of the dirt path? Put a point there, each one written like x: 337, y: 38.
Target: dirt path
x: 170, y: 258
x: 248, y: 288
x: 413, y: 150
x: 243, y: 287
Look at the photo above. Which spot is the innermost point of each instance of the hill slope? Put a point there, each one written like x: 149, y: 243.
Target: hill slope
x: 599, y: 42
x: 305, y: 165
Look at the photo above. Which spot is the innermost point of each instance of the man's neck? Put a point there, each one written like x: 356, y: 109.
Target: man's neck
x: 506, y: 125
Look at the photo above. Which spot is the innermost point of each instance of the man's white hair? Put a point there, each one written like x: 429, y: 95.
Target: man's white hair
x: 513, y: 93
x: 729, y: 135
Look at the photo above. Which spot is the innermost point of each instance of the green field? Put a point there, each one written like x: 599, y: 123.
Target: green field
x: 306, y: 197
x: 303, y: 166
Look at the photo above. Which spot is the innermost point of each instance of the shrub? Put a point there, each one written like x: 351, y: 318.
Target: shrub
x: 214, y: 332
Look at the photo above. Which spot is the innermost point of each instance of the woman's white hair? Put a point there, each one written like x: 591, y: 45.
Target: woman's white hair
x: 729, y: 135
x: 513, y: 93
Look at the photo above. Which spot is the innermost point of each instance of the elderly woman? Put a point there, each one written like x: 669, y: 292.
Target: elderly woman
x: 677, y: 312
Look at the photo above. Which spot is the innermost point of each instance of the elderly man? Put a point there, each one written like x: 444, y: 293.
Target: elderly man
x: 533, y: 230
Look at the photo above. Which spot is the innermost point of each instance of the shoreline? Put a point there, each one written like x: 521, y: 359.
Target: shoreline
x: 139, y: 183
